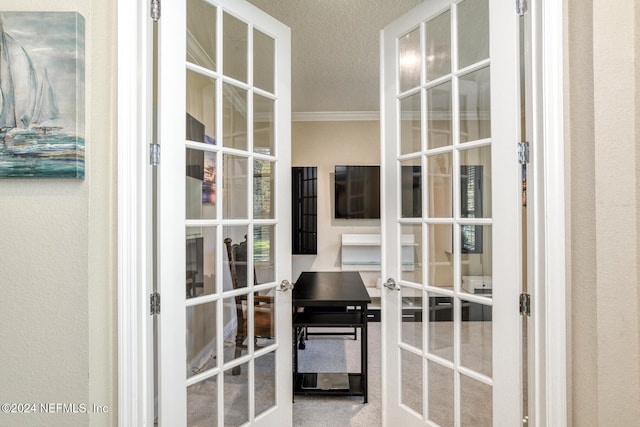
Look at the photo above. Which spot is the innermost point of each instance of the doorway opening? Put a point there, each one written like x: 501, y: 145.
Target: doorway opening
x: 137, y: 382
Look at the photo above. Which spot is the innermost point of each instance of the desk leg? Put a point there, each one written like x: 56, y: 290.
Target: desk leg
x: 363, y: 354
x: 301, y: 333
x: 295, y: 362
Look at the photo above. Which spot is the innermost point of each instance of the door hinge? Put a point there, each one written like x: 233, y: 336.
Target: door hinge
x: 523, y: 152
x: 154, y: 304
x: 155, y: 10
x: 521, y: 7
x: 154, y: 154
x: 525, y: 304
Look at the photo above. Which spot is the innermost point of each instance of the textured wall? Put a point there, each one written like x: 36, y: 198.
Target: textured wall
x: 602, y: 147
x: 57, y: 261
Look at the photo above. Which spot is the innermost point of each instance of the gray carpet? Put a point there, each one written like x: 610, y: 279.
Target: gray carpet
x: 338, y: 354
x: 342, y: 354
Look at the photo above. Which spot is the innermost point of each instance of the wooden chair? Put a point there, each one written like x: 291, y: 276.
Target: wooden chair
x: 194, y: 288
x: 263, y: 308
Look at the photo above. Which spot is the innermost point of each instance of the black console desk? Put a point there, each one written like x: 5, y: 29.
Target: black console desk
x: 330, y: 289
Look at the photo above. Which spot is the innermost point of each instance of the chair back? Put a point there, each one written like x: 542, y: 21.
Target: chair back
x: 238, y: 262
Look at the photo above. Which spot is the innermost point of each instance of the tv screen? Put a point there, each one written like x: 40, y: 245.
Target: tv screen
x: 357, y: 192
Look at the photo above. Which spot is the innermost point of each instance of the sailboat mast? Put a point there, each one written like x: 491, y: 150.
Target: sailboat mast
x: 7, y: 112
x: 18, y: 83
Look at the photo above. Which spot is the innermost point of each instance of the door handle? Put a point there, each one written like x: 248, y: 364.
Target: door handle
x: 391, y: 284
x: 285, y: 285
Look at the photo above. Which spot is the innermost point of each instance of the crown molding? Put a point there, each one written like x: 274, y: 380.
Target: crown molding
x: 335, y: 116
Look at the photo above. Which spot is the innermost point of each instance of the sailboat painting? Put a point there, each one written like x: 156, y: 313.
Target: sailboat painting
x: 42, y: 87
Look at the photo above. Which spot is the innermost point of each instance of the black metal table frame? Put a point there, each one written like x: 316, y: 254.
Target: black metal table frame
x: 331, y: 289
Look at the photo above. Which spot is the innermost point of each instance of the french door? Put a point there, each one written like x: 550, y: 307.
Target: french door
x: 224, y: 135
x: 451, y: 221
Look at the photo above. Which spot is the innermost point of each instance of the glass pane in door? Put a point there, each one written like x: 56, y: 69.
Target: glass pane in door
x: 438, y: 46
x: 477, y: 402
x: 236, y: 328
x: 263, y: 189
x: 440, y: 326
x: 439, y: 113
x: 263, y: 125
x: 202, y: 403
x: 236, y: 396
x: 410, y: 60
x: 473, y: 32
x: 237, y: 276
x: 411, y: 194
x: 476, y: 337
x: 441, y: 395
x: 200, y: 192
x: 476, y: 245
x: 235, y: 186
x: 201, y: 39
x: 411, y: 256
x: 234, y: 125
x: 264, y: 254
x: 264, y: 50
x: 475, y: 183
x: 441, y: 256
x: 200, y: 261
x: 411, y: 329
x: 201, y: 338
x: 411, y: 369
x: 201, y: 108
x: 235, y: 48
x: 265, y: 380
x: 475, y: 105
x: 440, y: 185
x: 410, y: 124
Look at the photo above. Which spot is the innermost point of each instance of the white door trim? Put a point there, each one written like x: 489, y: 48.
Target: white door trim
x: 548, y: 330
x: 550, y: 287
x: 135, y: 379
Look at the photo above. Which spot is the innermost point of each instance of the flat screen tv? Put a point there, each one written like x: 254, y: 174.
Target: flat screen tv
x: 357, y: 192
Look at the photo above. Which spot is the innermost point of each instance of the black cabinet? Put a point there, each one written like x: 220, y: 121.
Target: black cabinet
x: 441, y: 310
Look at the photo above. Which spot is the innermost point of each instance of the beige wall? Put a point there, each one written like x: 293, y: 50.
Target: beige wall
x: 325, y: 144
x: 603, y: 173
x: 58, y: 258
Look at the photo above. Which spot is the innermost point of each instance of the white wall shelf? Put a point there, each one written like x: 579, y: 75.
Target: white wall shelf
x: 362, y: 252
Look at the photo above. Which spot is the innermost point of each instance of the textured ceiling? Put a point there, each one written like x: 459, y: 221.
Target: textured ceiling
x: 335, y: 50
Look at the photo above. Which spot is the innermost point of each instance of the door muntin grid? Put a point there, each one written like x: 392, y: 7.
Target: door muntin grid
x: 231, y: 148
x: 443, y: 101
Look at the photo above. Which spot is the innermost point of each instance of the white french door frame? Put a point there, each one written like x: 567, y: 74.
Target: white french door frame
x: 546, y: 229
x: 135, y: 345
x: 135, y: 276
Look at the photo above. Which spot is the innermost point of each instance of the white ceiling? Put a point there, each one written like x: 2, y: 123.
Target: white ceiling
x: 335, y: 50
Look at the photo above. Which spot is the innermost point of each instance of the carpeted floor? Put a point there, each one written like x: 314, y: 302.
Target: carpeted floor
x: 342, y: 354
x: 338, y: 354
